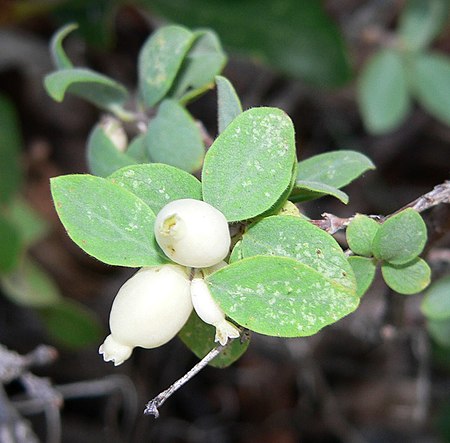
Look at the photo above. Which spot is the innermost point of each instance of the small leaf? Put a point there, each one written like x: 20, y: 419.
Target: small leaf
x: 383, y: 94
x: 228, y: 103
x: 436, y: 303
x: 401, y: 238
x: 198, y: 336
x: 29, y: 285
x: 305, y: 190
x: 289, y: 236
x: 236, y: 253
x: 279, y: 296
x: 249, y: 165
x: 157, y: 184
x: 364, y: 269
x: 410, y: 278
x: 431, y: 85
x: 59, y: 56
x: 71, y: 324
x: 440, y: 331
x: 11, y: 246
x: 137, y: 149
x: 174, y: 138
x: 360, y: 234
x: 11, y: 145
x: 421, y: 21
x: 103, y: 156
x: 202, y: 63
x: 93, y: 87
x: 160, y: 60
x: 106, y: 221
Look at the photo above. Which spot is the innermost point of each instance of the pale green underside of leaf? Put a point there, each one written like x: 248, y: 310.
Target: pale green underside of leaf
x: 106, y: 220
x: 199, y: 338
x: 157, y: 184
x: 279, y: 296
x: 305, y: 190
x: 364, y: 269
x: 249, y: 165
x: 360, y: 234
x: 383, y: 93
x: 228, y: 103
x: 93, y: 87
x: 59, y: 56
x: 436, y: 303
x: 410, y: 278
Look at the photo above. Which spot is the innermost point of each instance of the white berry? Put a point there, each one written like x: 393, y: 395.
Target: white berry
x: 148, y: 311
x: 192, y: 233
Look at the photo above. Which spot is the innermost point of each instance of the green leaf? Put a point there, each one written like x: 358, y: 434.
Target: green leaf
x: 401, y: 238
x: 93, y: 87
x: 157, y: 184
x: 280, y: 296
x: 198, y: 336
x: 71, y: 324
x: 160, y: 60
x: 174, y: 138
x: 236, y: 253
x: 410, y: 278
x: 429, y: 77
x: 436, y: 303
x: 29, y: 285
x: 202, y: 63
x: 440, y: 331
x: 137, y: 149
x: 421, y: 21
x: 228, y: 103
x: 249, y: 165
x: 11, y: 246
x: 106, y: 221
x: 364, y: 269
x: 383, y: 93
x: 103, y: 156
x: 295, y: 37
x: 305, y: 190
x: 11, y: 145
x: 59, y: 56
x: 360, y: 234
x: 290, y: 236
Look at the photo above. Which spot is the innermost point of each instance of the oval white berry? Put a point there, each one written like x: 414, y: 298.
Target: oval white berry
x: 148, y: 311
x: 192, y: 233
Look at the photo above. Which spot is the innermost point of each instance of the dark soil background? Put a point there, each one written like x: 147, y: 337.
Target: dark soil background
x: 374, y: 377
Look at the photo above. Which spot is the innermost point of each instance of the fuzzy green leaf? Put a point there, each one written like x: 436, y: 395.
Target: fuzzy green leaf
x: 289, y: 236
x: 383, y: 93
x: 157, y: 184
x: 364, y: 269
x: 280, y: 296
x: 59, y: 56
x: 160, y: 60
x: 305, y: 190
x: 410, y: 278
x: 103, y: 156
x: 401, y: 238
x: 436, y: 303
x: 249, y: 165
x: 11, y: 246
x: 360, y: 234
x: 198, y: 336
x: 93, y: 87
x: 174, y: 138
x: 228, y: 103
x: 106, y: 220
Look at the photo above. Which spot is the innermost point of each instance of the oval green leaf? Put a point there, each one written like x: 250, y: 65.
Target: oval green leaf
x: 59, y: 56
x: 160, y: 60
x: 407, y: 279
x: 305, y: 190
x: 364, y: 269
x: 174, y: 138
x: 383, y: 93
x: 436, y: 303
x: 228, y: 103
x: 106, y: 220
x: 93, y: 87
x: 249, y: 165
x: 294, y: 237
x: 280, y: 296
x: 360, y: 234
x: 440, y: 331
x: 198, y: 336
x: 401, y: 238
x: 157, y: 184
x: 137, y: 149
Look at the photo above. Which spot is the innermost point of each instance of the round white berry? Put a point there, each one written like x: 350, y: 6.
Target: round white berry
x: 192, y: 233
x: 148, y: 311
